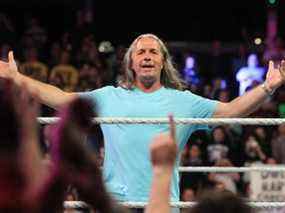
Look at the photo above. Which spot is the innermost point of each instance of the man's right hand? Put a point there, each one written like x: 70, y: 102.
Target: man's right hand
x: 163, y: 150
x: 9, y: 70
x: 41, y: 92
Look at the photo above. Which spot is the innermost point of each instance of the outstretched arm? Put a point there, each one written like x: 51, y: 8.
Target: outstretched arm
x: 250, y: 101
x: 43, y: 93
x: 163, y: 152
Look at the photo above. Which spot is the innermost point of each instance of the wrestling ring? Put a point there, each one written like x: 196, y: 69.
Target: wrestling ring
x: 189, y: 121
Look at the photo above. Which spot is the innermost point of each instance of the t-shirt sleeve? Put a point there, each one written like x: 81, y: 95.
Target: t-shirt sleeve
x: 96, y: 97
x: 202, y: 108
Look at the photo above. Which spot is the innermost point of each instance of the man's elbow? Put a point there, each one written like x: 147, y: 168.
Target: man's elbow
x: 224, y: 110
x: 66, y: 99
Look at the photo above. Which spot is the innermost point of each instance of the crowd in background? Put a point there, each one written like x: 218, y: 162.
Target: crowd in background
x: 76, y: 61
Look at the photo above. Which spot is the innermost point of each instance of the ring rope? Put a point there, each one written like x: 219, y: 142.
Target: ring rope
x: 210, y: 121
x: 75, y: 204
x: 191, y: 204
x: 233, y: 169
x: 254, y: 204
x: 237, y: 121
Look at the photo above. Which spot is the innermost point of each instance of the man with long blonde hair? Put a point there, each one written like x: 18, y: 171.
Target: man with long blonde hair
x: 151, y: 87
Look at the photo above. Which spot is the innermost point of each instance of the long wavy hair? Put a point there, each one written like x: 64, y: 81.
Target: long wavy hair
x: 170, y: 77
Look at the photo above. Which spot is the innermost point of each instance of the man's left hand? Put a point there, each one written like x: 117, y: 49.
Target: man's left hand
x: 275, y: 77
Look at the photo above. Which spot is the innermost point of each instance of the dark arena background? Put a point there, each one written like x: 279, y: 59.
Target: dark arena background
x: 221, y: 49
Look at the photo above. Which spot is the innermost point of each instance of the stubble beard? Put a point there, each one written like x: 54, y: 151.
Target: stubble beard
x: 147, y: 81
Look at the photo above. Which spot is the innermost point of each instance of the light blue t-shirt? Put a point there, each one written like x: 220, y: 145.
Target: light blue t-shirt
x: 127, y: 167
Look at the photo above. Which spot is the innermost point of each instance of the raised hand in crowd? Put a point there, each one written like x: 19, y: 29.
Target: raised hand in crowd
x: 163, y: 152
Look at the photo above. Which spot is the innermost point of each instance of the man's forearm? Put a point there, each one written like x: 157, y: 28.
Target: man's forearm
x: 249, y: 102
x: 44, y: 93
x: 243, y: 105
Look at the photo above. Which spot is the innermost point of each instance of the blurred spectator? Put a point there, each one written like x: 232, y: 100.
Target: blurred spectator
x: 219, y: 148
x: 58, y: 81
x: 280, y: 99
x: 188, y: 195
x: 71, y: 194
x: 7, y: 30
x: 274, y: 51
x: 263, y: 138
x: 35, y: 34
x: 74, y: 162
x: 87, y: 51
x: 190, y: 74
x: 207, y: 91
x: 223, y: 95
x: 217, y: 61
x: 227, y: 179
x: 192, y: 157
x: 46, y: 133
x: 253, y: 156
x: 221, y: 202
x: 66, y: 42
x: 278, y: 145
x: 240, y: 59
x: 89, y: 78
x: 100, y: 157
x: 253, y: 151
x: 66, y: 72
x: 271, y: 161
x: 218, y: 84
x: 83, y: 26
x: 268, y: 109
x: 54, y: 54
x: 247, y: 75
x: 32, y: 67
x: 4, y: 49
x: 115, y: 62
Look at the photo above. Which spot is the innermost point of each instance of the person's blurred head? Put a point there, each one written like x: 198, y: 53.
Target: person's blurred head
x: 57, y: 81
x: 70, y: 197
x: 55, y: 50
x: 219, y: 83
x: 4, y: 49
x: 271, y: 161
x: 260, y: 132
x: 281, y: 129
x: 189, y: 62
x: 220, y: 186
x: 224, y: 95
x: 219, y: 134
x: 221, y: 202
x: 207, y: 91
x: 216, y: 47
x: 188, y: 195
x: 224, y: 162
x: 79, y: 18
x: 31, y: 55
x: 242, y: 50
x: 64, y: 57
x: 120, y: 52
x: 251, y: 145
x: 252, y: 60
x: 194, y: 151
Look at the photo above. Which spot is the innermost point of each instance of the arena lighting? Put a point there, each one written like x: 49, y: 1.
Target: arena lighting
x: 257, y: 41
x: 272, y: 1
x: 105, y: 47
